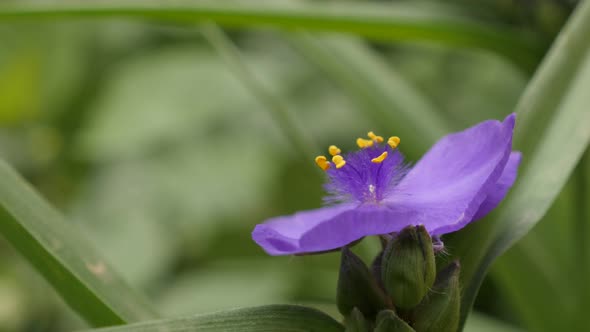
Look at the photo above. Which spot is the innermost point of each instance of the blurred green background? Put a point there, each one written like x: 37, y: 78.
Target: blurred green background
x: 151, y: 142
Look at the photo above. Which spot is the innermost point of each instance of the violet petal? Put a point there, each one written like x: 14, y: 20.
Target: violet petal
x: 281, y: 235
x: 506, y: 180
x: 448, y: 185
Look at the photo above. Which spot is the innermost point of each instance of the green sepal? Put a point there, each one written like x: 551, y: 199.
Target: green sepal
x: 357, y: 287
x: 408, y: 269
x: 356, y: 322
x: 439, y: 312
x: 388, y: 321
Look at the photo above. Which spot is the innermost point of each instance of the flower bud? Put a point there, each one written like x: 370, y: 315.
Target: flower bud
x: 355, y: 322
x: 357, y: 287
x: 408, y: 267
x: 376, y: 270
x: 439, y: 312
x: 388, y: 321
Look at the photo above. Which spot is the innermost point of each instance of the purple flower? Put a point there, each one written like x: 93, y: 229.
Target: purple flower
x: 372, y: 191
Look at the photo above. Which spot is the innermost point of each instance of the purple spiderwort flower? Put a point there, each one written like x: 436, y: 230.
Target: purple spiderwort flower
x: 371, y: 191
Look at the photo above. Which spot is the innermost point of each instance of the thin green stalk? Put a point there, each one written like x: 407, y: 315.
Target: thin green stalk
x: 391, y: 102
x: 277, y: 108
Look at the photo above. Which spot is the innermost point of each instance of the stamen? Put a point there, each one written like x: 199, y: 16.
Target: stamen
x: 372, y: 136
x: 339, y: 161
x: 334, y: 150
x: 364, y: 143
x: 322, y: 162
x: 380, y: 158
x: 393, y: 141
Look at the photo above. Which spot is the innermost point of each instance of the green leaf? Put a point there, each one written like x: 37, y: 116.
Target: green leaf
x: 285, y: 318
x: 439, y: 311
x: 552, y: 131
x: 357, y: 287
x: 399, y: 22
x: 478, y: 322
x: 62, y: 255
x: 356, y: 322
x: 556, y: 248
x: 388, y: 321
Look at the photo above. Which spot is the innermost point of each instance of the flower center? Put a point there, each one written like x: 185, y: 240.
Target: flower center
x: 364, y: 175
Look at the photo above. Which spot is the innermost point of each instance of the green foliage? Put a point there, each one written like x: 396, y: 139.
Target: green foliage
x: 264, y: 319
x: 554, y: 249
x: 357, y: 288
x: 400, y: 22
x: 390, y: 101
x: 387, y: 321
x: 61, y: 255
x: 356, y: 322
x: 558, y: 89
x: 439, y: 311
x: 165, y: 154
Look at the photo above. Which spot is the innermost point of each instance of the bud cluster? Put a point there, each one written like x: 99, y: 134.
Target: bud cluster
x: 402, y: 292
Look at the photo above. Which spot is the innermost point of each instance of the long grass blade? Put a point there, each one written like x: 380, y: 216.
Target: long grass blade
x: 277, y: 108
x: 64, y: 258
x: 284, y: 318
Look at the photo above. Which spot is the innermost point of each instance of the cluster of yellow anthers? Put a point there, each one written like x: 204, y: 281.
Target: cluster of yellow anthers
x: 339, y: 161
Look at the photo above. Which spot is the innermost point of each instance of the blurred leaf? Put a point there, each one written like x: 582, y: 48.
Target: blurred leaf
x: 63, y: 257
x: 466, y: 85
x: 548, y: 160
x: 478, y: 322
x: 233, y: 284
x: 287, y: 318
x: 398, y: 22
x: 19, y: 88
x: 12, y: 304
x: 41, y: 68
x: 387, y: 98
x: 556, y: 247
x: 276, y: 106
x: 197, y: 151
x: 192, y: 98
x: 534, y: 300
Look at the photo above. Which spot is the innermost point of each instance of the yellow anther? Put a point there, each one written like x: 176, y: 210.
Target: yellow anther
x: 322, y: 162
x: 334, y: 150
x: 380, y: 158
x: 364, y: 143
x: 339, y: 161
x: 374, y: 137
x: 393, y: 142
